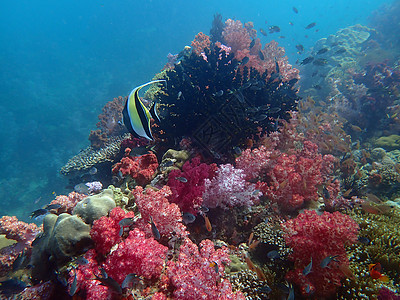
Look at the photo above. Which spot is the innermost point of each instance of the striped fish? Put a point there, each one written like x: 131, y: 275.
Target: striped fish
x: 137, y: 116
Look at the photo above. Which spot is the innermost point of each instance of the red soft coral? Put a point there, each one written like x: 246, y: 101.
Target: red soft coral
x: 167, y: 216
x: 294, y: 178
x: 105, y: 231
x: 194, y: 275
x: 188, y: 194
x: 141, y: 168
x: 317, y: 237
x: 136, y: 254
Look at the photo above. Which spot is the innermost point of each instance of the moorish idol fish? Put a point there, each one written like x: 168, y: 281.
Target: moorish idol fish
x: 136, y: 116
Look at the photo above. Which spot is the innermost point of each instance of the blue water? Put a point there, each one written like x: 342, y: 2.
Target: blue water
x: 61, y: 61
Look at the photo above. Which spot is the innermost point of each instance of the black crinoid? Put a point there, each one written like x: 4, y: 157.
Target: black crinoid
x: 216, y: 102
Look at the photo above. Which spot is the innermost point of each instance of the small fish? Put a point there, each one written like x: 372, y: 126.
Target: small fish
x: 274, y: 110
x: 92, y: 171
x: 282, y: 37
x: 291, y: 23
x: 17, y: 264
x: 256, y: 192
x: 236, y: 150
x: 11, y: 286
x: 179, y: 95
x: 74, y: 286
x: 320, y: 62
x: 81, y: 260
x: 264, y: 289
x: 214, y: 265
x: 325, y: 193
x: 291, y: 292
x: 207, y: 223
x: 261, y: 55
x: 37, y: 200
x: 273, y: 254
x: 220, y: 92
x: 364, y: 240
x: 300, y: 47
x: 204, y: 209
x: 274, y: 28
x: 340, y: 51
x: 154, y: 230
x: 296, y: 11
x: 260, y: 117
x: 53, y: 206
x: 126, y: 222
x: 326, y: 261
x: 108, y: 281
x: 245, y: 60
x: 39, y: 212
x: 188, y: 218
x: 375, y: 272
x: 167, y: 164
x: 81, y: 188
x: 129, y: 279
x: 181, y: 179
x: 307, y: 269
x: 311, y: 25
x: 307, y: 60
x: 322, y: 51
x: 253, y: 42
x: 253, y: 245
x: 373, y: 198
x: 263, y: 32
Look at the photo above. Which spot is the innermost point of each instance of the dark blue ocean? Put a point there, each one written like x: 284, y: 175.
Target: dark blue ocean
x: 61, y: 61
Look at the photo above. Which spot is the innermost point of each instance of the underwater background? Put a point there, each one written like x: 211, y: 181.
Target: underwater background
x: 200, y: 150
x: 60, y: 63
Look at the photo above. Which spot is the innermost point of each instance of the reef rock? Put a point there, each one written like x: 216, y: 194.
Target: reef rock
x: 94, y: 207
x: 63, y: 237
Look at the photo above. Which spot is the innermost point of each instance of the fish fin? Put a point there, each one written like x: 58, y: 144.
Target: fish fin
x: 153, y: 112
x: 384, y: 278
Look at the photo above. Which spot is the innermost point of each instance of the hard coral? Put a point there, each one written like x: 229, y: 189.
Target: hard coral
x: 165, y: 215
x: 136, y: 254
x: 105, y: 231
x: 228, y: 189
x: 187, y: 195
x: 316, y: 237
x: 197, y: 273
x: 141, y: 168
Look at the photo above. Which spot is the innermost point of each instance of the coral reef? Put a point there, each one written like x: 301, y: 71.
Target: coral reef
x: 63, y: 237
x: 111, y: 116
x: 228, y: 189
x: 187, y: 195
x: 140, y: 168
x: 90, y: 156
x: 155, y: 205
x: 18, y: 231
x: 315, y: 238
x: 193, y: 275
x: 93, y: 207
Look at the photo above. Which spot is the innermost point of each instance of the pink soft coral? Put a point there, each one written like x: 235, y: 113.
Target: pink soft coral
x: 317, y: 237
x: 136, y: 254
x: 194, y: 274
x: 166, y: 216
x: 229, y: 189
x: 188, y: 194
